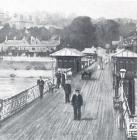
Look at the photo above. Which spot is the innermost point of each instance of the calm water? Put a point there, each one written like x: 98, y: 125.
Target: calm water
x: 12, y: 86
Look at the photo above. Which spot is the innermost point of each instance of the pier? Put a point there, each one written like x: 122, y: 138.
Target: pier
x: 52, y: 119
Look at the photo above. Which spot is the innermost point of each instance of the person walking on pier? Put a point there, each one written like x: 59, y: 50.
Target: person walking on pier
x: 63, y: 79
x: 67, y: 89
x: 77, y: 102
x: 40, y: 82
x: 58, y: 76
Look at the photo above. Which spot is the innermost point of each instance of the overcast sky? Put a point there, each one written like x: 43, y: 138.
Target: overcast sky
x: 93, y: 8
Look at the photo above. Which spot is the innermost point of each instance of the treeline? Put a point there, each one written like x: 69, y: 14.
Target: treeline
x: 81, y: 33
x: 11, y: 33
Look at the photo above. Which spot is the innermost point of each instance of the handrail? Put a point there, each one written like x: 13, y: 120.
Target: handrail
x: 24, y: 90
x: 12, y: 105
x: 126, y: 102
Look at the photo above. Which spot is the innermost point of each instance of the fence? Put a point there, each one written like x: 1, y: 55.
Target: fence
x: 12, y: 105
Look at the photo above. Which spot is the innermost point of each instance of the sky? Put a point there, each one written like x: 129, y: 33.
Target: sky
x: 92, y: 8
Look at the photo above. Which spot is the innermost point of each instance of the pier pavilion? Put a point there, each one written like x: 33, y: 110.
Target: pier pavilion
x: 125, y: 59
x: 90, y: 56
x: 68, y: 58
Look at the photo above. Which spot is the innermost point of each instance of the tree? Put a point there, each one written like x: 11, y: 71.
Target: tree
x: 79, y: 34
x: 107, y: 31
x: 41, y: 33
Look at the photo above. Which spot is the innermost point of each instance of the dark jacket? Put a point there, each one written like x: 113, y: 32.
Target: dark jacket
x: 58, y: 76
x: 77, y: 101
x: 67, y: 88
x: 63, y: 79
x: 40, y: 83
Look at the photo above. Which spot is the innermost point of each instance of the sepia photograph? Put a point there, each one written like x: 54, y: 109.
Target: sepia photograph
x: 68, y: 69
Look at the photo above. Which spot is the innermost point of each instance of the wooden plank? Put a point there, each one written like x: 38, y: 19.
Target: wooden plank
x: 52, y: 119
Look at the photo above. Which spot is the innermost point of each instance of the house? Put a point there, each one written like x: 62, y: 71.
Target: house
x: 34, y: 48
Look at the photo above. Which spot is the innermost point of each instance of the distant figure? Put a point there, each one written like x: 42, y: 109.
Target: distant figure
x: 77, y: 102
x: 58, y: 76
x: 69, y: 75
x: 40, y: 82
x: 63, y: 79
x: 67, y: 89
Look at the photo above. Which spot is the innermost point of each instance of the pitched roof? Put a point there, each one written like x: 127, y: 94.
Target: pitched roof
x: 24, y: 43
x: 15, y: 42
x: 125, y: 53
x: 115, y: 42
x: 89, y: 50
x: 68, y: 52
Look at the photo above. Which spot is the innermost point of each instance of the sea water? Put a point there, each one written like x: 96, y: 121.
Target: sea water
x: 10, y: 86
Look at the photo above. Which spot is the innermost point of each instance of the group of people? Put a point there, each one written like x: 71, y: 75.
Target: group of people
x: 60, y: 79
x: 76, y: 100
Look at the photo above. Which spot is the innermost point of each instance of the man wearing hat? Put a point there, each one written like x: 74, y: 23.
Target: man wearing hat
x: 58, y: 76
x: 40, y: 83
x: 63, y: 79
x: 77, y: 102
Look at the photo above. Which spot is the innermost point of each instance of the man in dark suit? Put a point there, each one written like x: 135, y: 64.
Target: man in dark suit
x: 67, y: 89
x: 58, y: 76
x: 63, y: 79
x: 40, y: 82
x: 77, y: 102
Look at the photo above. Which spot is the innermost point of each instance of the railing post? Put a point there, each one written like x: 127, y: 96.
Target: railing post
x: 1, y: 107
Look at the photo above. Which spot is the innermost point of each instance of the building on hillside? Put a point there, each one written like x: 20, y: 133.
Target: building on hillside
x: 21, y: 21
x: 4, y: 18
x: 130, y: 41
x: 34, y: 48
x: 68, y: 58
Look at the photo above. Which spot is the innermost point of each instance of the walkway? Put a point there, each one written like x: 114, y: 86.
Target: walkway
x: 52, y: 119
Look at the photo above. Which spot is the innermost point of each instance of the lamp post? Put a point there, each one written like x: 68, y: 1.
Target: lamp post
x: 121, y: 98
x: 122, y: 73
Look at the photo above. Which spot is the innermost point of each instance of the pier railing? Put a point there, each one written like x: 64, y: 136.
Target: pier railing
x: 12, y: 105
x: 130, y: 121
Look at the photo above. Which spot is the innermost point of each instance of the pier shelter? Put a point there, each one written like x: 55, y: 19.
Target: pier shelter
x: 125, y: 59
x: 68, y: 58
x: 90, y: 55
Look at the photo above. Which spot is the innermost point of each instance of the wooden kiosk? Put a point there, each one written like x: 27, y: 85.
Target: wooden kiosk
x: 67, y: 58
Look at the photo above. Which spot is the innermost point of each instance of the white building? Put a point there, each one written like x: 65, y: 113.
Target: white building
x: 21, y: 21
x: 34, y: 48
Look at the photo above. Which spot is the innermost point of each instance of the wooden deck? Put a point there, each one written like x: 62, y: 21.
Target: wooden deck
x: 52, y: 119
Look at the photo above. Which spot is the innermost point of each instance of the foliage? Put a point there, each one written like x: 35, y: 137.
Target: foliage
x: 107, y: 31
x: 126, y: 28
x: 11, y: 32
x: 79, y: 34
